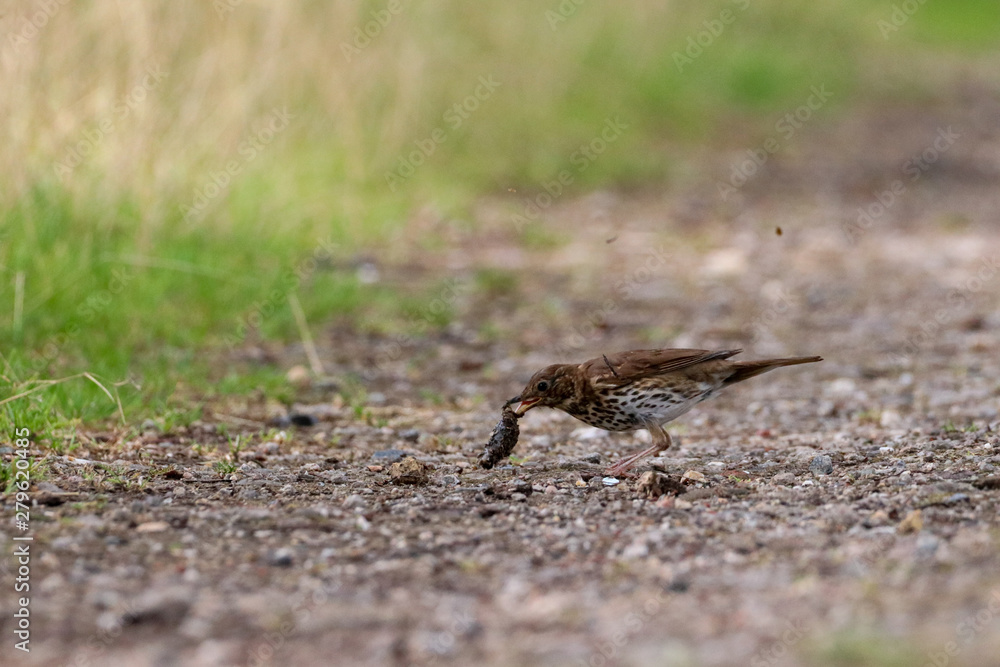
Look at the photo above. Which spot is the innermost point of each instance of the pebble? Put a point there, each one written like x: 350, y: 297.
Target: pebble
x: 298, y: 375
x: 913, y: 523
x: 927, y: 545
x: 179, y: 491
x: 821, y: 465
x: 783, y: 479
x: 408, y: 471
x: 694, y: 476
x: 389, y: 455
x: 282, y: 557
x: 302, y: 419
x: 410, y: 435
x: 152, y: 527
x: 609, y: 481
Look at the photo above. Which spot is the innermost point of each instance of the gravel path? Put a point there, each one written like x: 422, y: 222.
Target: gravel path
x: 843, y: 513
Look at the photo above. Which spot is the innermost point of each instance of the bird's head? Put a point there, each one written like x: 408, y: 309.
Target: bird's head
x: 549, y: 388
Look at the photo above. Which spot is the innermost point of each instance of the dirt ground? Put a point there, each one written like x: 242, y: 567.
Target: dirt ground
x: 842, y: 513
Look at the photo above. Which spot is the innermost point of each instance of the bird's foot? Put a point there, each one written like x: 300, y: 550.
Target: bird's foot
x: 622, y: 467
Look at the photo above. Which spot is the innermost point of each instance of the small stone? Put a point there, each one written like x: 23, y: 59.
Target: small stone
x: 354, y: 501
x: 957, y: 498
x: 408, y: 471
x: 179, y: 491
x: 158, y: 607
x: 302, y: 419
x: 49, y: 487
x: 889, y: 418
x: 521, y: 486
x: 386, y: 456
x: 912, y: 523
x: 152, y: 527
x: 682, y: 504
x: 638, y: 549
x: 783, y: 479
x: 878, y: 518
x: 694, y: 476
x: 886, y: 450
x: 609, y: 481
x: 410, y: 434
x: 282, y: 557
x: 298, y: 375
x: 927, y: 546
x: 550, y: 489
x: 821, y: 465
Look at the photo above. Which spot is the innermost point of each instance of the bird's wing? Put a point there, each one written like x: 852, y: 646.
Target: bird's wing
x: 624, y: 367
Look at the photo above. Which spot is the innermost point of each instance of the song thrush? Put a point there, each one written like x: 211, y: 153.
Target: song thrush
x: 640, y: 389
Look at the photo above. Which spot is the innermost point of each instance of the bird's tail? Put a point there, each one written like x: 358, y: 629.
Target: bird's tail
x: 744, y: 370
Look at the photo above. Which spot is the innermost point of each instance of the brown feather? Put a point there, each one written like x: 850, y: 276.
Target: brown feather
x: 744, y: 370
x: 625, y: 367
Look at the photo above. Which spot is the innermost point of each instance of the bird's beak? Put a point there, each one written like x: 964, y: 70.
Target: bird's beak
x: 525, y: 405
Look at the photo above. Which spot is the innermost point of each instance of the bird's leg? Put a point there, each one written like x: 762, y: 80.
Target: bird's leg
x: 661, y: 442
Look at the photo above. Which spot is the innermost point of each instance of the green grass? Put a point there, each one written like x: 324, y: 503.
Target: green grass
x: 101, y: 272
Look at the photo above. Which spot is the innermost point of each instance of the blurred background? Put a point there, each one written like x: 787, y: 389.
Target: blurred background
x: 170, y: 171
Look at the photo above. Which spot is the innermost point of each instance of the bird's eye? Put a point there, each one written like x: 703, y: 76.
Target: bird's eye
x: 543, y: 385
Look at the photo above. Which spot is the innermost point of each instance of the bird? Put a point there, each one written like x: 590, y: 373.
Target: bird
x: 637, y: 389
